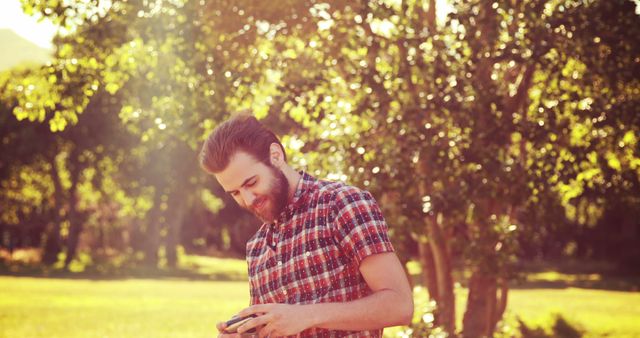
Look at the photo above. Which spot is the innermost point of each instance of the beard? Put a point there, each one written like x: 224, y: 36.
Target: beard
x: 275, y: 200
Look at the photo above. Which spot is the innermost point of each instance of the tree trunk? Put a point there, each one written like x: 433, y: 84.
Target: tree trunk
x: 75, y: 218
x: 52, y: 245
x: 152, y: 233
x: 53, y: 242
x: 72, y: 242
x: 479, y: 317
x: 174, y: 224
x: 446, y: 307
x: 441, y: 271
x: 501, y: 303
x: 431, y: 16
x: 429, y: 275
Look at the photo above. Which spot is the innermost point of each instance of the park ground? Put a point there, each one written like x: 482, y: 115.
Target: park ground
x: 177, y: 305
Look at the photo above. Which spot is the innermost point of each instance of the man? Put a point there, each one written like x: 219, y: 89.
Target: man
x: 321, y: 264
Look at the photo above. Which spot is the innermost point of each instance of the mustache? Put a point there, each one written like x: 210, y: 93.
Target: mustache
x: 257, y: 202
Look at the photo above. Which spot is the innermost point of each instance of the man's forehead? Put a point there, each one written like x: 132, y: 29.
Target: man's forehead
x: 242, y: 166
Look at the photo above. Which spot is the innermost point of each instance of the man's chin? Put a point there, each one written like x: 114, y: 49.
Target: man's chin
x: 264, y: 218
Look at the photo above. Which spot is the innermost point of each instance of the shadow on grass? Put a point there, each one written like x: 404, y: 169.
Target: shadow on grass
x: 611, y: 283
x: 584, y: 275
x: 561, y: 328
x: 96, y: 273
x: 571, y: 274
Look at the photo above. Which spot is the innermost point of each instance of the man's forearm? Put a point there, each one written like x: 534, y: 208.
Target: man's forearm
x: 389, y: 304
x: 383, y: 308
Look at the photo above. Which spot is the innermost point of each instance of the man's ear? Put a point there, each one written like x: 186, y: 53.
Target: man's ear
x: 276, y: 155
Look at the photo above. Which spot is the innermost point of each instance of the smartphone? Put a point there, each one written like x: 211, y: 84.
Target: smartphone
x: 234, y: 323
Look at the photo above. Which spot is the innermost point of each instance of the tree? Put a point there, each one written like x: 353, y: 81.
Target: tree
x: 455, y: 107
x: 481, y: 133
x: 155, y: 61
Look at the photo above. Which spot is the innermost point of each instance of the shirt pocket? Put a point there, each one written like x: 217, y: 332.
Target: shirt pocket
x: 314, y: 266
x: 264, y: 276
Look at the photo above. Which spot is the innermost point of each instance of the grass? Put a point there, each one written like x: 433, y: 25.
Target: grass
x: 600, y: 313
x: 216, y: 268
x: 177, y: 304
x: 47, y: 307
x: 184, y: 302
x: 25, y: 263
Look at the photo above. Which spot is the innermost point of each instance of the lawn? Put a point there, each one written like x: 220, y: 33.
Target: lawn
x: 42, y: 307
x: 127, y: 307
x: 180, y: 307
x: 600, y: 313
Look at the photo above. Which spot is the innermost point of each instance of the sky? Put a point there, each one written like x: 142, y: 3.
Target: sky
x: 11, y: 16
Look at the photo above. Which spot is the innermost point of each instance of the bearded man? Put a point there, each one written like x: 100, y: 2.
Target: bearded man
x: 321, y: 264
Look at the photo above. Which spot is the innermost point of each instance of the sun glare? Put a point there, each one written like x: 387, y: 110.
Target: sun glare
x: 40, y: 32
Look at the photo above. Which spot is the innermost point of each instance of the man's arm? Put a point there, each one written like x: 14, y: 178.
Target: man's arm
x: 390, y: 304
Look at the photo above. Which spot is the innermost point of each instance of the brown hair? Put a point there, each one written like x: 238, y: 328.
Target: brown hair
x: 241, y: 132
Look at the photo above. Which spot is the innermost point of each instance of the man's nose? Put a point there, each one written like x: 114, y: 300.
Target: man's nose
x: 248, y: 197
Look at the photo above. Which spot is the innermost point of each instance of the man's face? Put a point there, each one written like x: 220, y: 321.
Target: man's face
x: 257, y: 187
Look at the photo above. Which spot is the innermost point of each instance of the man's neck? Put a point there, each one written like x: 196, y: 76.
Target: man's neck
x: 293, y: 177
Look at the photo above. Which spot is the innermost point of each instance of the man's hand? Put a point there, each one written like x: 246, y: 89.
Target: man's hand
x: 276, y: 320
x: 223, y: 325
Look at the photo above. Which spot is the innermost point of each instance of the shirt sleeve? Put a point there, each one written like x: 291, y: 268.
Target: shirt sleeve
x: 359, y: 227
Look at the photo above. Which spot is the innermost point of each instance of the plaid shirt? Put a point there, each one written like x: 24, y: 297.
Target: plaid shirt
x: 312, y: 253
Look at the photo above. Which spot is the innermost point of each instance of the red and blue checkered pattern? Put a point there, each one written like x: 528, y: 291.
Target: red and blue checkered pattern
x: 312, y: 253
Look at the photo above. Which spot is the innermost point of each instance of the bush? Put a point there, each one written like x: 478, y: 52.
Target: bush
x: 561, y: 328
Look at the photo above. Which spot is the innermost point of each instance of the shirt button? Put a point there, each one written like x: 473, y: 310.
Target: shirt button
x: 307, y: 254
x: 279, y: 263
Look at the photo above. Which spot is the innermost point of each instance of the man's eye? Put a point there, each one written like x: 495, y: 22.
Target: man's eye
x: 251, y: 183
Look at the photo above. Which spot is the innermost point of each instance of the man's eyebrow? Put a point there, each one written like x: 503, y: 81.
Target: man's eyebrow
x: 243, y: 184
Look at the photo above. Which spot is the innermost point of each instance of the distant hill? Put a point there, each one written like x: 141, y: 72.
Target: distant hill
x: 15, y: 50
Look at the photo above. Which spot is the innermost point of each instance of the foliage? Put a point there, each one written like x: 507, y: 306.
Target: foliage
x: 502, y: 130
x: 561, y: 328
